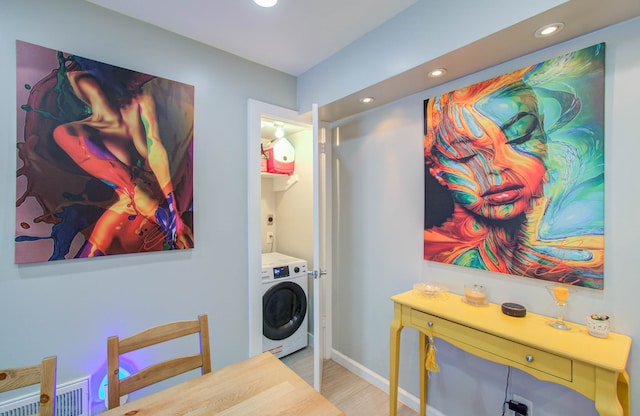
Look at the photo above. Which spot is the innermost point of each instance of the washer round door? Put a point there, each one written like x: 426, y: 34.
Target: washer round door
x: 284, y: 307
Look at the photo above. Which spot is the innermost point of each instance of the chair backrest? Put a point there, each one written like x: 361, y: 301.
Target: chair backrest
x: 157, y: 372
x: 44, y: 373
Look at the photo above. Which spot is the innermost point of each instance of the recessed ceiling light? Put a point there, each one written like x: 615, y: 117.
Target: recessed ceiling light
x: 265, y: 3
x: 548, y: 30
x: 366, y: 100
x: 438, y: 72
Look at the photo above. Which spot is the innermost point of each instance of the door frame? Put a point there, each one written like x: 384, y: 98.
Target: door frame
x: 255, y: 111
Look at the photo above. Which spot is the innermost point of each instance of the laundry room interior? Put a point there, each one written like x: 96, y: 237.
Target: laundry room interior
x: 286, y: 233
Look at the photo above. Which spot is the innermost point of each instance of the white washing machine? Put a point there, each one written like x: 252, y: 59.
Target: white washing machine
x: 284, y: 304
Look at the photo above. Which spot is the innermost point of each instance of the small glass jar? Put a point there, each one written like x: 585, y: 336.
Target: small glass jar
x: 598, y: 325
x: 475, y: 294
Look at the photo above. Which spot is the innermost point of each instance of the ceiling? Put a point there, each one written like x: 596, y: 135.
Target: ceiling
x: 580, y: 17
x: 306, y: 32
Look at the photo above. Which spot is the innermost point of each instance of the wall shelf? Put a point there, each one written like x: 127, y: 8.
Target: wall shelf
x: 280, y: 182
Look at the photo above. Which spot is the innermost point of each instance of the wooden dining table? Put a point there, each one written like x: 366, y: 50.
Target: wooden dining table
x: 261, y: 385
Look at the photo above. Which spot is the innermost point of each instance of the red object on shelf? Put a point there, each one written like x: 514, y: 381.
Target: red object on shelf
x: 280, y: 157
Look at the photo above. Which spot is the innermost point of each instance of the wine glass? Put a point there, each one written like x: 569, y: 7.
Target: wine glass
x: 560, y: 294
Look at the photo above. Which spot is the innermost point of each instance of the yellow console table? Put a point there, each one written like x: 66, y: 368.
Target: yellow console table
x: 592, y: 366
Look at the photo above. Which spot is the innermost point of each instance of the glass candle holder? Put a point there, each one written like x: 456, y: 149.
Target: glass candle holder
x: 598, y: 325
x: 475, y: 294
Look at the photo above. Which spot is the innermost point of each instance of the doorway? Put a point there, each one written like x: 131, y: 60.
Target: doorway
x: 303, y: 233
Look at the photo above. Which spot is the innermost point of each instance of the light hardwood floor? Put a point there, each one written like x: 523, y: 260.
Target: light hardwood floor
x: 346, y: 390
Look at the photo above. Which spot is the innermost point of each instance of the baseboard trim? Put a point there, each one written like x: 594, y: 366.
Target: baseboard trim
x: 382, y: 383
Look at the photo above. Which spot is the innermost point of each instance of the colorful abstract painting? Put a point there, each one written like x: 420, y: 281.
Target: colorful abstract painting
x: 104, y: 160
x: 514, y: 172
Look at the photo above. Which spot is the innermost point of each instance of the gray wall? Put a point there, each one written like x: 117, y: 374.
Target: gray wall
x: 378, y: 219
x: 69, y: 308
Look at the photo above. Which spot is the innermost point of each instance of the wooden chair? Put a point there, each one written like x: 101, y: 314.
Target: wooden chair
x: 157, y: 372
x: 45, y: 374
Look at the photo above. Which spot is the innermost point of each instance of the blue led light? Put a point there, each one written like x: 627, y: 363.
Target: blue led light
x: 102, y: 391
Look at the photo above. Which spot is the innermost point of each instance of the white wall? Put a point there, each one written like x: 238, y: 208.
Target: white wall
x: 69, y: 308
x: 295, y: 205
x: 378, y: 219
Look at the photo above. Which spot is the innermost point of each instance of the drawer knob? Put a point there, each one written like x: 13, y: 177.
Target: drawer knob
x: 430, y: 324
x: 529, y: 358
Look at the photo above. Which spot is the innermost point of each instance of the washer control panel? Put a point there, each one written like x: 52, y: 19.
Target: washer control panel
x: 277, y: 266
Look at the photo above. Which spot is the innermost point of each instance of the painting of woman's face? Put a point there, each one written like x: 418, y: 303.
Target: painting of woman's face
x: 488, y: 149
x: 514, y: 172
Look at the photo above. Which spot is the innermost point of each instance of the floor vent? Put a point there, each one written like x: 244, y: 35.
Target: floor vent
x: 72, y: 399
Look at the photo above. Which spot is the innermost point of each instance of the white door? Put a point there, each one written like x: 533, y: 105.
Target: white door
x: 321, y: 253
x: 321, y: 224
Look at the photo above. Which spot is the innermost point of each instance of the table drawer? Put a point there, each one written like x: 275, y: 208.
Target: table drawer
x: 515, y: 352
